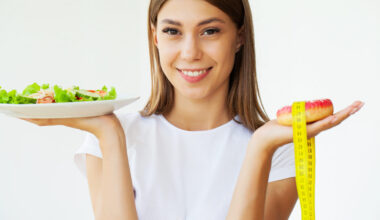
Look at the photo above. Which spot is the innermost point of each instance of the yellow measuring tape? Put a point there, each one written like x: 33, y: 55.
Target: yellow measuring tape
x: 304, y: 150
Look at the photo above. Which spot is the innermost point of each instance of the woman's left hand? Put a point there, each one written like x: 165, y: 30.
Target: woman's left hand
x: 273, y: 135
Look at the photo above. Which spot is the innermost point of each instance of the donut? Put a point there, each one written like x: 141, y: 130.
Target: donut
x: 315, y: 110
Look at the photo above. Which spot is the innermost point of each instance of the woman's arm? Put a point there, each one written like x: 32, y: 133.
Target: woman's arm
x: 109, y: 179
x: 248, y: 201
x: 255, y: 198
x: 280, y: 199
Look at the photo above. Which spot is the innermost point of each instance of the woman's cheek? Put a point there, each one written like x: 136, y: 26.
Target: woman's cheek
x: 167, y: 49
x: 221, y: 53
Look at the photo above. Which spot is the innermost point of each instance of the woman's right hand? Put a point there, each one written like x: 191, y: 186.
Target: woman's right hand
x: 98, y: 125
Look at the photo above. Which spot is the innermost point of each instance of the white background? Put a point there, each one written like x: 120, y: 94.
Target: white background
x: 305, y: 50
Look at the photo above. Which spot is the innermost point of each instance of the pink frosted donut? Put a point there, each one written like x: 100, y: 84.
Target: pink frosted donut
x: 315, y: 110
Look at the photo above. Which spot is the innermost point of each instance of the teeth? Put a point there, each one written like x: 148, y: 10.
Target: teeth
x: 193, y: 73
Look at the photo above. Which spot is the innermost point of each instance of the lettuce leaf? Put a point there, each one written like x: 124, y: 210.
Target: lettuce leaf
x: 45, y: 86
x: 34, y: 88
x: 111, y: 94
x: 63, y: 95
x: 13, y: 98
x: 104, y: 88
x: 4, y: 98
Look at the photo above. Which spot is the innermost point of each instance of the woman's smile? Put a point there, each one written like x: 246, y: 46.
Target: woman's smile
x: 194, y: 75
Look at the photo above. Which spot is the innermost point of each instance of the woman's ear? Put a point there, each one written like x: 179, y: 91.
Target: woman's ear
x: 154, y: 34
x: 240, y: 38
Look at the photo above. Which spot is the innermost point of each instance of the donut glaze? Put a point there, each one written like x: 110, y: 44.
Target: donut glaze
x: 315, y: 110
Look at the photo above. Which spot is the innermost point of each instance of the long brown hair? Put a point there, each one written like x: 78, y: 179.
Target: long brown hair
x: 243, y: 97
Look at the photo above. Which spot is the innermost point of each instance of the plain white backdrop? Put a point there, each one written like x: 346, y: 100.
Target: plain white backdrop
x: 305, y: 50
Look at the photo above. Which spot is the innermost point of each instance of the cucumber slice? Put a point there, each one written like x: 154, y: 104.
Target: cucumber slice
x: 22, y: 99
x: 87, y: 95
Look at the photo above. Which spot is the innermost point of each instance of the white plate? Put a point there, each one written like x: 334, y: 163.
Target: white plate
x: 65, y: 110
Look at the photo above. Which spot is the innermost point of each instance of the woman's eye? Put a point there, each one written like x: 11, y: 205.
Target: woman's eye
x: 211, y: 31
x: 170, y: 31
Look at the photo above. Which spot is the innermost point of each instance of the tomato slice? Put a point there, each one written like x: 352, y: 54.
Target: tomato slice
x: 46, y: 99
x: 101, y: 93
x: 93, y: 91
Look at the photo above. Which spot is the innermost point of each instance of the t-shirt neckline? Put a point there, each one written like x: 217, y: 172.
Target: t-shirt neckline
x: 220, y: 127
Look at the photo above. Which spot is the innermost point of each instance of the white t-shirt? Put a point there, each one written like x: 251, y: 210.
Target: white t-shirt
x: 179, y: 174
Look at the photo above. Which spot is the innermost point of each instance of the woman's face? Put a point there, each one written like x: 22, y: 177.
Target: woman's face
x: 197, y: 43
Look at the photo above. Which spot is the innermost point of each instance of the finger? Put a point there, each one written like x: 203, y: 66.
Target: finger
x: 357, y: 108
x: 28, y: 120
x: 333, y: 120
x: 25, y: 119
x: 345, y: 113
x: 316, y: 127
x: 44, y: 122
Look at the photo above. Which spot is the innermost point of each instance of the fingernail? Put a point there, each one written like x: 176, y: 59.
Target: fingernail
x: 353, y: 111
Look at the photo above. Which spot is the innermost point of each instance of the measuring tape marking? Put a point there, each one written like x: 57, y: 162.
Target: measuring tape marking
x: 304, y: 150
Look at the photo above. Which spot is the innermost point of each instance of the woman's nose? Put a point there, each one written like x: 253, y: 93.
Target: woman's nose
x: 190, y: 49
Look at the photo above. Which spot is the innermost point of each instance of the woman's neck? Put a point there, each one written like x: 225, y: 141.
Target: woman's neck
x: 199, y: 114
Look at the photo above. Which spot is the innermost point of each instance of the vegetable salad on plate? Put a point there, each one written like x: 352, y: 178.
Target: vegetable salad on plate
x: 36, y: 94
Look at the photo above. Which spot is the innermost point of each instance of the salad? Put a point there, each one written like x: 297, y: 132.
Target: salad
x: 36, y: 94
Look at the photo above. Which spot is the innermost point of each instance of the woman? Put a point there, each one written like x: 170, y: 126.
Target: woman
x: 203, y: 147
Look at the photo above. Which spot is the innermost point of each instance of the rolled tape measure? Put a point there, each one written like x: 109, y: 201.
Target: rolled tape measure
x: 304, y: 150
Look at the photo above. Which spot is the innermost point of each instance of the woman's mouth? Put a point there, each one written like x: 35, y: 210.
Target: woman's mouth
x: 194, y: 75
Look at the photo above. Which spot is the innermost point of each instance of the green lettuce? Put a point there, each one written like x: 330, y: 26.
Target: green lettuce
x: 34, y: 88
x: 4, y: 98
x: 13, y: 97
x: 110, y: 94
x: 64, y: 95
x: 45, y: 86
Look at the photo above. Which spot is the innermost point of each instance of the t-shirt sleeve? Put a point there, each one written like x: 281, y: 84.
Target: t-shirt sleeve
x: 91, y: 146
x: 283, y: 163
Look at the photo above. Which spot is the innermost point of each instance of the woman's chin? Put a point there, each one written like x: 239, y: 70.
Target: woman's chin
x: 194, y: 94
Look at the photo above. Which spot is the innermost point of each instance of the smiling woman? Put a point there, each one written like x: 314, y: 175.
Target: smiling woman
x: 209, y: 43
x: 202, y: 148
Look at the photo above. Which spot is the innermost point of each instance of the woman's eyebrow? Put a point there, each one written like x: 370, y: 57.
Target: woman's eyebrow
x: 207, y: 21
